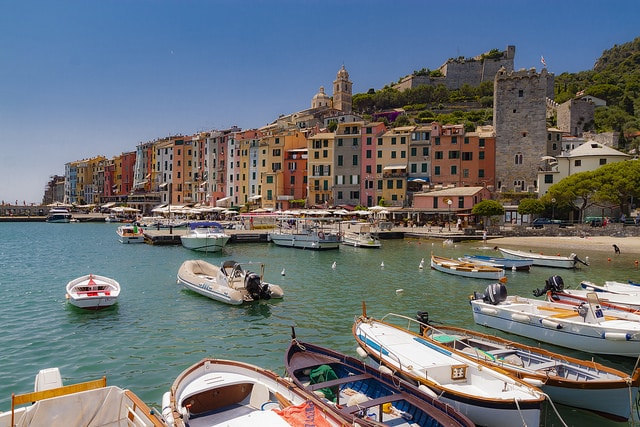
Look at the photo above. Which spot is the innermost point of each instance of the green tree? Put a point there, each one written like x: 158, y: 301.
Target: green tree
x: 531, y: 207
x: 488, y: 208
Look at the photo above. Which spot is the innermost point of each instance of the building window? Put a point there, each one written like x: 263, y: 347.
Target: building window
x: 454, y: 154
x: 414, y: 151
x: 425, y: 151
x: 393, y: 155
x: 436, y: 170
x: 355, y: 160
x: 518, y: 159
x: 520, y: 93
x: 389, y: 184
x: 413, y: 168
x: 399, y: 183
x: 548, y: 179
x: 481, y: 155
x: 454, y: 170
x: 437, y: 140
x: 454, y: 139
x: 578, y: 163
x: 467, y: 155
x: 378, y: 168
x: 603, y: 162
x: 481, y: 142
x: 340, y: 161
x: 425, y: 167
x: 368, y: 154
x: 339, y: 142
x: 269, y: 179
x: 439, y: 155
x: 393, y: 140
x: 369, y: 139
x: 480, y: 173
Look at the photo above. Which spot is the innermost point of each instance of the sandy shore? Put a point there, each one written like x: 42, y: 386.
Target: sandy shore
x: 627, y: 245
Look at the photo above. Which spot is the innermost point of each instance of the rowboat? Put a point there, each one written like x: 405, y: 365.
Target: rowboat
x: 488, y: 396
x: 570, y: 381
x: 586, y: 327
x: 90, y: 403
x: 466, y: 269
x: 353, y: 389
x: 543, y: 260
x: 232, y: 283
x: 612, y: 287
x: 504, y: 263
x: 216, y: 392
x: 92, y: 292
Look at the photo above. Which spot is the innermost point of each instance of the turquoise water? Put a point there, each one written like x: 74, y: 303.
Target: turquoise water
x: 158, y: 329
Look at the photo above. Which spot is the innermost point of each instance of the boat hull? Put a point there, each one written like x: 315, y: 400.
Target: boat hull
x: 463, y: 269
x: 360, y: 240
x: 204, y: 244
x: 92, y: 292
x: 541, y: 260
x: 305, y: 241
x: 504, y: 263
x: 573, y: 382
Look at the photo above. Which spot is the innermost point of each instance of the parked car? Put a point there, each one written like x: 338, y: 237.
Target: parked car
x: 594, y: 221
x: 541, y: 222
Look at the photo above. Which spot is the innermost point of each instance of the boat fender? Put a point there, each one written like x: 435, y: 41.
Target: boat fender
x: 488, y: 310
x: 520, y: 317
x: 616, y: 336
x: 167, y: 413
x: 426, y: 390
x: 361, y: 352
x: 551, y: 324
x: 385, y: 370
x: 534, y: 382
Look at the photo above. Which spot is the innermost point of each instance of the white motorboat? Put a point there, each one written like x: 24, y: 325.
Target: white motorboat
x: 586, y: 327
x: 206, y: 236
x: 466, y: 269
x: 488, y: 396
x: 216, y: 392
x: 58, y: 215
x: 306, y: 233
x: 90, y: 403
x: 233, y: 282
x: 130, y: 233
x: 583, y: 384
x: 543, y: 260
x: 93, y: 292
x: 361, y: 238
x: 612, y: 287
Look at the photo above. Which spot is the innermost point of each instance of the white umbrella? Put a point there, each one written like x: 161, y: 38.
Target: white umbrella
x: 376, y: 208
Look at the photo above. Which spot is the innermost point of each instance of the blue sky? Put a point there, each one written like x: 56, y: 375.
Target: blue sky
x: 85, y: 78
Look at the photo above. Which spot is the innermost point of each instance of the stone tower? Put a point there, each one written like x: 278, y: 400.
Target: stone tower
x: 342, y: 92
x: 321, y: 99
x: 519, y: 120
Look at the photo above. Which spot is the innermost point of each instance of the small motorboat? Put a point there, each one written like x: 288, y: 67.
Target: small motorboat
x: 488, y: 396
x: 216, y: 392
x: 90, y: 403
x: 586, y: 327
x: 612, y: 287
x: 59, y: 215
x: 232, y: 282
x: 543, y: 260
x: 504, y: 263
x: 555, y: 291
x: 93, y: 292
x: 361, y: 393
x: 306, y: 233
x: 466, y: 269
x: 361, y: 238
x: 583, y: 384
x: 205, y: 236
x: 130, y: 233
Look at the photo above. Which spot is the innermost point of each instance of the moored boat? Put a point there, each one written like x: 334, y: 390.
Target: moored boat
x: 130, y: 233
x: 466, y: 269
x: 216, y: 392
x: 306, y: 233
x: 613, y: 287
x: 360, y: 393
x: 488, y: 396
x: 362, y: 237
x: 583, y: 384
x: 504, y: 263
x: 90, y: 403
x: 205, y: 236
x: 231, y: 283
x: 586, y: 327
x: 92, y: 292
x: 59, y: 215
x: 544, y: 260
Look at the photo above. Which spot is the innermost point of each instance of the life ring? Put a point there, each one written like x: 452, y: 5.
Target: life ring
x: 321, y: 235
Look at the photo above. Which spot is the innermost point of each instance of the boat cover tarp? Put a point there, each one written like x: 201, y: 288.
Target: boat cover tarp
x: 322, y: 374
x: 306, y: 414
x: 93, y: 408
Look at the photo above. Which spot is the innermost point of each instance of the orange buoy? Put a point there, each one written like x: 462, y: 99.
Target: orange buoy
x: 609, y: 259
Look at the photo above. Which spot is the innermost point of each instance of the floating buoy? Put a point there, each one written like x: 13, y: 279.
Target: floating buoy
x: 609, y: 259
x: 399, y: 291
x: 333, y: 265
x: 382, y: 264
x: 636, y: 262
x: 282, y: 272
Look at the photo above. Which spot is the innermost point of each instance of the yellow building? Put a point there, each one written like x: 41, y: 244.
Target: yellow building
x: 320, y: 169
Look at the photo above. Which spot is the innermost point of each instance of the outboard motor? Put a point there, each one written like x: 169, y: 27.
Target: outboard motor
x: 553, y: 284
x: 494, y: 294
x: 256, y: 288
x: 423, y: 318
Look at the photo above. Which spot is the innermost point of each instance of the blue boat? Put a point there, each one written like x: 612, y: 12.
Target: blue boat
x: 505, y: 263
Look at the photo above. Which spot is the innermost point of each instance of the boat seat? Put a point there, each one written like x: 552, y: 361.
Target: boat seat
x: 339, y: 381
x: 259, y: 395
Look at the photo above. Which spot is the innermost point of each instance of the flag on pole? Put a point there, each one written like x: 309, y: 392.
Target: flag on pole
x: 544, y: 63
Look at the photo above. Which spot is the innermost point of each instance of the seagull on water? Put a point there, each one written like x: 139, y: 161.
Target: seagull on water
x: 421, y: 266
x: 282, y: 272
x: 333, y: 265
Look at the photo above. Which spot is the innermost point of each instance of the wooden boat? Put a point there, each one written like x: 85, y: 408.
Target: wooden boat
x: 466, y: 269
x: 488, y: 396
x: 232, y: 282
x: 612, y: 287
x: 543, y: 260
x: 92, y: 292
x: 306, y: 233
x: 586, y: 327
x: 130, y: 233
x: 205, y: 236
x: 361, y: 393
x: 216, y: 392
x: 91, y: 403
x: 573, y: 382
x: 504, y: 263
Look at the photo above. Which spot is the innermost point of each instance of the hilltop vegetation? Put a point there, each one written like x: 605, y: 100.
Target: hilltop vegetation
x: 615, y: 78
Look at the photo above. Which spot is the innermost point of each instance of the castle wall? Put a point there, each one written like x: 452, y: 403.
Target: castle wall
x: 574, y: 114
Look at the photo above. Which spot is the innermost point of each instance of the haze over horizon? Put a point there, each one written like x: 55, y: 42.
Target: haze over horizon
x: 86, y: 78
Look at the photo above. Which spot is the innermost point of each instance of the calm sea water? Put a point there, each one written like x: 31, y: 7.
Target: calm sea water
x: 158, y: 329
